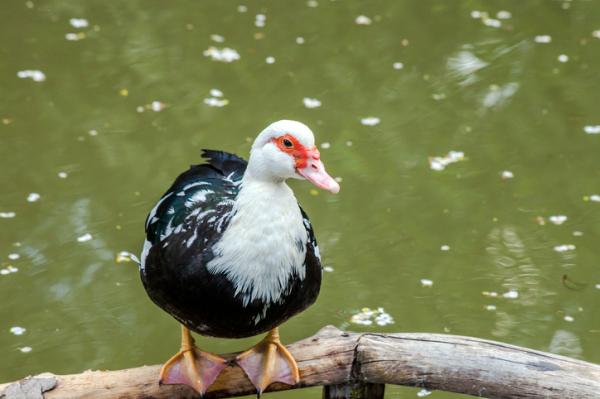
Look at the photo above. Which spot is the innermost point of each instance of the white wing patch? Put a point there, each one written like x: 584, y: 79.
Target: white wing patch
x: 198, y: 197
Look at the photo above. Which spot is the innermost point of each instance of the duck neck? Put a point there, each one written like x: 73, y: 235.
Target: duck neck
x: 258, y: 178
x: 258, y: 190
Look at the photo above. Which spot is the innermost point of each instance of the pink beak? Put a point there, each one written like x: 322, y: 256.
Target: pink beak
x: 314, y: 172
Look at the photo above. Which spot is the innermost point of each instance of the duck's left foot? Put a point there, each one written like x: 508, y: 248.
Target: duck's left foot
x: 269, y: 361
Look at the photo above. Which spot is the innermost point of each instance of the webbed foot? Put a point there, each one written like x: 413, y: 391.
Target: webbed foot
x: 268, y: 362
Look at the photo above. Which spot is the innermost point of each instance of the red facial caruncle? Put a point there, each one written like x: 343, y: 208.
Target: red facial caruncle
x: 290, y: 145
x: 307, y: 162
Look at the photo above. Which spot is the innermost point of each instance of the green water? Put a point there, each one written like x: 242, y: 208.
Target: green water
x: 485, y: 87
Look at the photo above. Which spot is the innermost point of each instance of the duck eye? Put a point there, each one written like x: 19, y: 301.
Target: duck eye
x: 287, y: 143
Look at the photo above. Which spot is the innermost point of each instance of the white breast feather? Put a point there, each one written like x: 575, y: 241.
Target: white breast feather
x: 259, y: 251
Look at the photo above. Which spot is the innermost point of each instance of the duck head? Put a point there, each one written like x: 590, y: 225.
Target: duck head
x: 286, y: 150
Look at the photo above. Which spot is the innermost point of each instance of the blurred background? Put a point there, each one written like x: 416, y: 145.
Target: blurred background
x: 466, y: 135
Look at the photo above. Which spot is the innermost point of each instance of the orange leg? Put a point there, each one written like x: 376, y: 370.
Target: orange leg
x: 269, y: 361
x: 191, y: 366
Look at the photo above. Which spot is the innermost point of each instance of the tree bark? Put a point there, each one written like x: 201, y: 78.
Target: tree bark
x: 335, y: 358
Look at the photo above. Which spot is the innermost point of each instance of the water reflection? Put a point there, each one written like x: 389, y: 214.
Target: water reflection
x: 522, y: 279
x: 565, y: 343
x: 464, y: 65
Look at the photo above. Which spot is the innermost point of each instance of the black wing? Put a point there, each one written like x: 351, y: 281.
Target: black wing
x: 313, y: 256
x: 197, y: 207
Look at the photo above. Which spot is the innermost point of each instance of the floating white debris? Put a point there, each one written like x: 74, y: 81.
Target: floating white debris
x: 217, y: 38
x: 311, y: 102
x: 577, y: 233
x: 16, y: 330
x: 492, y: 294
x: 312, y: 3
x: 79, y: 23
x: 348, y: 143
x: 8, y: 270
x: 33, y: 197
x: 225, y: 54
x: 7, y: 215
x: 367, y: 316
x: 592, y: 129
x: 157, y: 106
x: 503, y: 14
x: 73, y: 37
x: 568, y: 318
x: 511, y: 294
x: 362, y: 319
x: 14, y: 256
x: 564, y: 248
x: 125, y: 256
x: 563, y: 58
x: 490, y: 308
x: 397, y: 65
x: 328, y: 269
x: 140, y: 108
x: 62, y: 175
x: 440, y: 163
x: 423, y: 392
x: 260, y: 20
x: 326, y: 145
x: 37, y: 76
x: 425, y: 282
x: 445, y: 248
x: 299, y: 40
x: 598, y: 286
x: 26, y: 349
x: 594, y: 198
x: 242, y: 8
x: 216, y: 93
x: 338, y: 179
x: 557, y: 219
x: 370, y: 121
x: 506, y: 174
x: 543, y: 39
x: 270, y: 60
x: 216, y: 102
x: 486, y: 20
x: 93, y: 132
x: 596, y: 34
x: 383, y: 319
x: 491, y: 22
x: 363, y: 20
x: 85, y: 237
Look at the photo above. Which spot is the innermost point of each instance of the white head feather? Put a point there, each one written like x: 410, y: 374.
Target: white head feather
x: 267, y: 162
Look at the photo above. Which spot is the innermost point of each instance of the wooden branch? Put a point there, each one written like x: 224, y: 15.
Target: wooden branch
x: 332, y: 358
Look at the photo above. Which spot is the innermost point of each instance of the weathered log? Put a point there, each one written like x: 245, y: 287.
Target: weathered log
x: 335, y: 358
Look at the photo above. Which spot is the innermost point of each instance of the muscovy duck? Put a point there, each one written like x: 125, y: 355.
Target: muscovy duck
x: 229, y: 253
